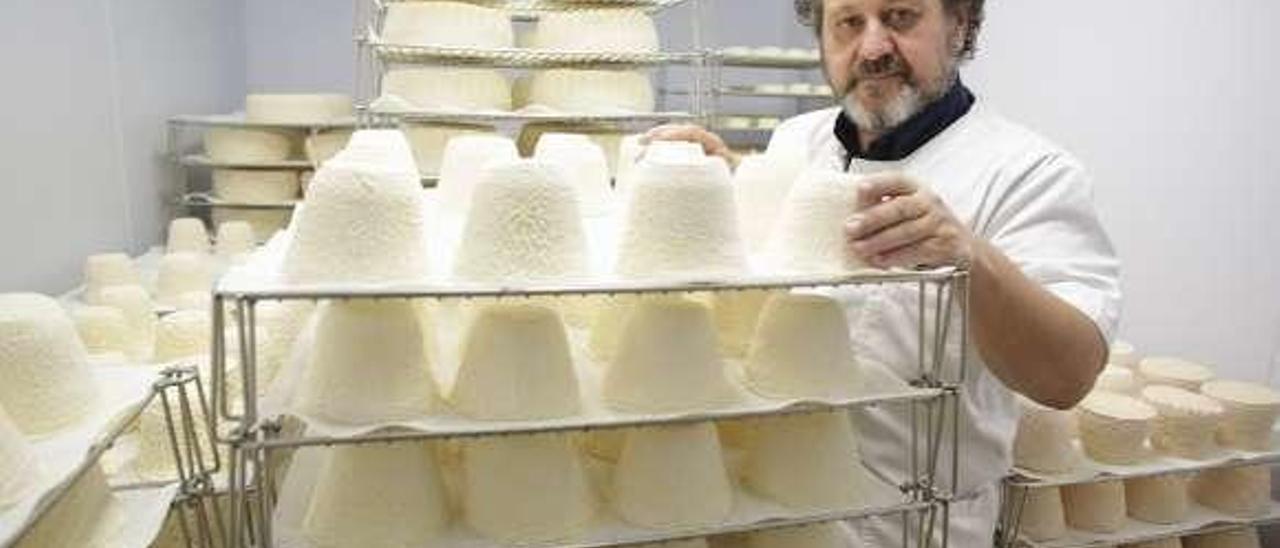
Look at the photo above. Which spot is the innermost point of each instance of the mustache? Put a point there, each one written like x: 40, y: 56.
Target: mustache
x: 881, y: 67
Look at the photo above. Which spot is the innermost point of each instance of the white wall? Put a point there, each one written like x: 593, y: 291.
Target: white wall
x: 88, y: 86
x: 1172, y: 105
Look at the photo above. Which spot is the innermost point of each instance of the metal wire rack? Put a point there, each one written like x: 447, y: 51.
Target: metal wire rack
x: 254, y: 438
x: 522, y: 58
x: 1017, y: 489
x: 205, y: 200
x: 202, y: 161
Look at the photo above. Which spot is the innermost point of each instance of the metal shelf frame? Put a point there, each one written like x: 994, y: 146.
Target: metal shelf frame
x: 254, y: 439
x: 179, y: 392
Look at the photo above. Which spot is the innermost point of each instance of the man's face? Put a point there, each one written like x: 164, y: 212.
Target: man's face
x: 888, y: 58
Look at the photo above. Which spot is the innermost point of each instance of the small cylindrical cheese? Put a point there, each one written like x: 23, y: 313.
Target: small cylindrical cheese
x: 1251, y: 411
x: 1158, y: 499
x: 1174, y: 372
x: 1095, y: 507
x: 1114, y: 428
x: 1186, y: 422
x: 1243, y: 492
x: 1042, y: 517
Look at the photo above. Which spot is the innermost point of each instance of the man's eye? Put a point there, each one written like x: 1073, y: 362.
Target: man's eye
x: 849, y: 23
x: 901, y: 19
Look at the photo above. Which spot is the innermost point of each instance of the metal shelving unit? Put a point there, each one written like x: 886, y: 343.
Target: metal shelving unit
x: 255, y: 438
x: 1201, y: 520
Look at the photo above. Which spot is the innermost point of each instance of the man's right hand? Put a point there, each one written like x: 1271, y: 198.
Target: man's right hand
x: 711, y: 143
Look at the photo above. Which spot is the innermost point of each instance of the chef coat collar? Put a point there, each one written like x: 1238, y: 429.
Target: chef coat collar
x: 910, y: 135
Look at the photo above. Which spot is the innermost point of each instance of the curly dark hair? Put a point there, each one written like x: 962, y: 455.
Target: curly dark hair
x: 810, y: 14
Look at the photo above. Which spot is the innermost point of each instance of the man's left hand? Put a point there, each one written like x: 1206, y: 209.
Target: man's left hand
x: 900, y: 223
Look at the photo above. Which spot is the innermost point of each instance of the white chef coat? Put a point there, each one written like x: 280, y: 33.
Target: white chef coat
x: 1034, y: 202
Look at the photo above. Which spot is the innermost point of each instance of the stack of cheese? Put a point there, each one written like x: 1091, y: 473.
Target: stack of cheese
x: 591, y: 91
x: 1185, y: 423
x: 266, y: 145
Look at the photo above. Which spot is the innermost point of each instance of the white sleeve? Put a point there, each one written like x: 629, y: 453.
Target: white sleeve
x: 1047, y: 225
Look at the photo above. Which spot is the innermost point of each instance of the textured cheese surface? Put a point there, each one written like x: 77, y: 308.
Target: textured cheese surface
x: 808, y: 237
x: 255, y: 186
x: 672, y: 478
x: 45, y: 382
x: 1243, y: 492
x: 516, y: 365
x: 428, y: 142
x: 235, y: 238
x: 525, y: 489
x: 524, y: 225
x: 1114, y: 428
x: 826, y: 474
x: 367, y: 365
x: 681, y: 220
x: 449, y: 89
x: 802, y: 349
x: 1158, y: 499
x: 1043, y: 517
x: 591, y: 91
x: 102, y: 329
x: 107, y: 269
x: 1174, y: 372
x: 187, y: 235
x: 1095, y: 507
x: 326, y: 144
x: 611, y: 30
x: 363, y: 221
x: 583, y: 166
x: 297, y: 108
x: 139, y: 314
x: 182, y: 273
x: 377, y: 495
x: 1186, y: 423
x: 1251, y: 412
x: 447, y: 24
x: 183, y: 335
x: 1246, y: 537
x: 87, y: 501
x: 227, y: 144
x: 666, y: 359
x: 1044, y: 439
x: 464, y: 163
x: 18, y: 466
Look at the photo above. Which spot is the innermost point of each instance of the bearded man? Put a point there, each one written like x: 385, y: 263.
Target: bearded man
x: 950, y: 182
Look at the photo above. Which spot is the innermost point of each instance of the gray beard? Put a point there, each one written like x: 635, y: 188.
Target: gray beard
x: 910, y: 101
x: 901, y: 108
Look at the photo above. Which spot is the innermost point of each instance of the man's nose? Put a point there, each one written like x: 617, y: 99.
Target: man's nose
x: 877, y: 41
